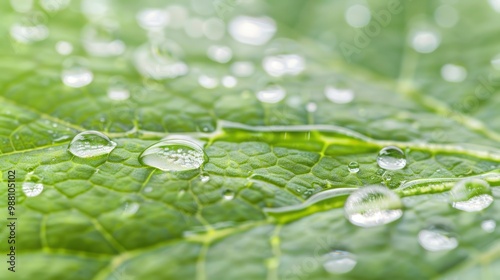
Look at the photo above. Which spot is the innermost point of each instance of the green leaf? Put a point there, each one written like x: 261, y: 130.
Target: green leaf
x: 111, y: 217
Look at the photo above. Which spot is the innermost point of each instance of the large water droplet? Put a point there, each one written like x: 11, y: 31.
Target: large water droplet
x: 160, y: 60
x: 339, y: 95
x: 31, y: 28
x: 489, y: 226
x: 425, y: 41
x: 174, y: 155
x: 75, y: 74
x: 358, y: 15
x: 221, y: 54
x: 353, y: 167
x: 271, y: 94
x: 437, y: 238
x: 228, y: 194
x: 471, y: 195
x: 285, y: 64
x: 91, y: 144
x: 453, y: 73
x: 99, y: 39
x: 252, y: 30
x: 31, y: 189
x: 391, y: 158
x: 339, y: 262
x: 372, y: 206
x: 153, y: 19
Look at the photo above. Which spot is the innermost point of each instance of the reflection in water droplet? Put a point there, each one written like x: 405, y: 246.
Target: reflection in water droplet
x: 446, y: 16
x: 339, y: 262
x: 229, y: 81
x: 271, y: 94
x: 453, y: 73
x: 425, y: 41
x: 91, y: 144
x: 339, y: 95
x: 31, y: 28
x: 252, y: 30
x: 99, y: 39
x: 75, y: 74
x: 471, y: 195
x: 286, y: 64
x: 242, y: 68
x: 174, y: 155
x: 228, y: 194
x: 31, y: 189
x: 353, y: 167
x: 437, y: 238
x: 221, y: 54
x: 391, y: 158
x: 64, y: 48
x: 489, y: 225
x: 372, y: 206
x: 153, y: 19
x: 358, y: 15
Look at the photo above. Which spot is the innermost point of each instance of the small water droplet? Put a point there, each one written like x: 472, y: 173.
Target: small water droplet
x: 358, y: 15
x: 425, y: 41
x: 437, y: 238
x: 446, y: 16
x: 31, y: 28
x: 207, y: 81
x: 118, y: 89
x: 64, y: 48
x: 204, y: 178
x: 372, y: 206
x: 160, y: 60
x: 252, y: 30
x: 489, y: 226
x: 339, y: 95
x: 229, y: 81
x: 391, y: 158
x: 31, y: 189
x: 99, y: 39
x: 228, y: 194
x: 339, y: 262
x: 242, y: 68
x: 91, y: 144
x: 311, y: 107
x: 214, y: 29
x: 148, y: 189
x: 353, y: 167
x: 75, y: 74
x: 174, y: 155
x: 153, y: 19
x: 130, y: 208
x: 271, y: 94
x: 471, y: 195
x: 221, y: 54
x: 285, y: 64
x: 453, y: 73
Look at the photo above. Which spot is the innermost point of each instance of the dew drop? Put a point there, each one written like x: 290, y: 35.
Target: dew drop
x: 372, y: 206
x: 495, y: 61
x: 339, y: 95
x: 207, y: 81
x: 285, y: 64
x: 358, y: 15
x: 453, y: 73
x: 425, y: 41
x: 130, y: 208
x: 31, y: 28
x: 311, y: 107
x: 391, y: 158
x: 221, y: 54
x: 353, y: 167
x: 204, y: 178
x: 252, y: 30
x: 91, y: 144
x: 118, y: 89
x: 194, y: 27
x: 242, y: 68
x: 148, y: 189
x: 228, y: 194
x: 471, y: 195
x: 339, y: 262
x: 99, y: 39
x: 489, y: 226
x: 31, y: 189
x: 64, y: 48
x: 271, y: 94
x: 160, y: 60
x: 446, y: 16
x: 174, y: 155
x: 153, y: 19
x: 75, y: 74
x: 437, y: 238
x: 229, y: 81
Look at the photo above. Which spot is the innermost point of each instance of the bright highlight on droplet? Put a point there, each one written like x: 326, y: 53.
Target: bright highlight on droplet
x: 453, y: 73
x: 339, y: 262
x: 339, y: 95
x: 118, y: 90
x: 425, y: 41
x: 75, y: 74
x: 489, y: 226
x: 252, y: 30
x: 271, y: 94
x: 31, y: 189
x: 153, y: 19
x: 437, y: 238
x: 358, y: 15
x: 174, y: 155
x: 91, y: 143
x: 207, y: 81
x: 391, y: 158
x: 228, y: 194
x: 372, y: 206
x: 229, y: 81
x: 242, y: 68
x: 221, y: 54
x: 471, y: 195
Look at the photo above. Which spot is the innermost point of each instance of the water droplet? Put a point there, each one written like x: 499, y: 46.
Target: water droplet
x: 453, y: 73
x: 54, y: 5
x: 353, y: 167
x: 391, y: 158
x: 221, y: 54
x: 214, y: 29
x: 31, y: 189
x: 358, y: 15
x: 437, y: 238
x: 208, y: 81
x: 64, y: 48
x: 118, y: 89
x: 148, y: 189
x: 311, y: 107
x: 446, y: 16
x: 91, y: 144
x: 285, y: 64
x: 174, y: 155
x: 130, y: 208
x: 229, y: 81
x: 204, y: 178
x: 31, y: 28
x: 495, y: 4
x: 489, y: 226
x: 153, y: 19
x: 75, y: 74
x: 372, y: 206
x: 495, y: 61
x: 228, y: 194
x: 252, y: 30
x: 160, y: 60
x: 471, y: 195
x: 242, y: 68
x: 339, y: 262
x: 194, y: 27
x: 271, y: 94
x: 99, y: 39
x: 339, y: 95
x: 425, y: 41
